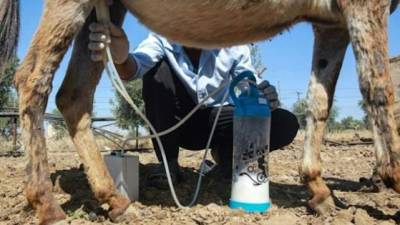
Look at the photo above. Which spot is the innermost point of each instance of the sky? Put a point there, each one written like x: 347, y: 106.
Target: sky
x: 287, y: 58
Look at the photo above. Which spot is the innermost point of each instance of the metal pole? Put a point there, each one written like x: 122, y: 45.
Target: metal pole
x: 137, y: 135
x: 14, y: 133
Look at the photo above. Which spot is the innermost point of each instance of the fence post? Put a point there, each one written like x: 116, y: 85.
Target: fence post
x: 137, y: 135
x: 14, y: 132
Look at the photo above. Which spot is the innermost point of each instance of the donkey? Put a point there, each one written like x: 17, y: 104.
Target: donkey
x: 205, y: 24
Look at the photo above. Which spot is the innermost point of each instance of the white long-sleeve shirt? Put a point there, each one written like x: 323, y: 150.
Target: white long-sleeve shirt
x: 216, y: 66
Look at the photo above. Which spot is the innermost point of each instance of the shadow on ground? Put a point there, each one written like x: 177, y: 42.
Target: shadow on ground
x: 214, y: 190
x: 74, y: 182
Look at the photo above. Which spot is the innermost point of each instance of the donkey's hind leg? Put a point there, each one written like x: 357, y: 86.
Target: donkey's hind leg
x: 329, y: 49
x: 75, y: 101
x: 368, y: 32
x: 60, y: 22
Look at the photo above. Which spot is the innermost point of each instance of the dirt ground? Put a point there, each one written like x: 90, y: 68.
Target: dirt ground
x: 358, y: 203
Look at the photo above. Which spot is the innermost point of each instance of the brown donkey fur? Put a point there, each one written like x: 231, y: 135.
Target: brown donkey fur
x: 199, y: 23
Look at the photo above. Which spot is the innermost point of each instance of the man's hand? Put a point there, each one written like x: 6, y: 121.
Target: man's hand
x: 101, y: 35
x: 270, y: 93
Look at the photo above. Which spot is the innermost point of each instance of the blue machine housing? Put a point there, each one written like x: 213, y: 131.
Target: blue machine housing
x: 250, y: 207
x: 249, y: 103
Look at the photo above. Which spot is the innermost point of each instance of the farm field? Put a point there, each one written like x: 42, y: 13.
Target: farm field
x: 344, y: 165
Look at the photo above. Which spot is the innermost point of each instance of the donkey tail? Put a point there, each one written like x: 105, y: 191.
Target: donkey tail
x: 9, y: 30
x: 393, y: 6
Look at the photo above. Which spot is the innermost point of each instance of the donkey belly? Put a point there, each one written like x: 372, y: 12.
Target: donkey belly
x: 217, y: 23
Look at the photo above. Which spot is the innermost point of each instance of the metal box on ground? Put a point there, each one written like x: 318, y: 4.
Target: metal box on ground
x: 124, y: 170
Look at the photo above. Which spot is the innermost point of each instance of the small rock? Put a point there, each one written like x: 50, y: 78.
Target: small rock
x: 233, y: 223
x: 92, y: 216
x: 340, y: 221
x: 381, y: 201
x: 345, y: 215
x: 203, y: 213
x: 283, y: 219
x: 361, y: 217
x: 394, y: 203
x: 213, y: 207
x: 387, y: 222
x: 238, y: 212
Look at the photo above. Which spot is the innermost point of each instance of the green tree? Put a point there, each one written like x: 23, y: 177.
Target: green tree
x: 123, y: 112
x: 331, y: 123
x: 365, y: 119
x: 8, y: 96
x: 299, y: 108
x: 349, y: 123
x: 59, y: 126
x: 256, y: 60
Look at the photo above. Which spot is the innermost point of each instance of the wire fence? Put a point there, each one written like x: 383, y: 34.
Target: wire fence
x: 101, y: 130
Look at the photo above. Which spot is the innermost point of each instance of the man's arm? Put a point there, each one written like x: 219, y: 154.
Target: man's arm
x: 242, y: 58
x: 129, y: 66
x: 127, y: 69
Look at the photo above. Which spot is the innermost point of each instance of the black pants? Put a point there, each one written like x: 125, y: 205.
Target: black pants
x: 167, y: 101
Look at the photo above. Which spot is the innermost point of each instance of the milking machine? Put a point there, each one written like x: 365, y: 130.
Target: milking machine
x: 251, y: 140
x: 251, y: 134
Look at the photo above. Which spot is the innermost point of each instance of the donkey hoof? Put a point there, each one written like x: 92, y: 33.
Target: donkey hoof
x: 396, y: 178
x: 118, y: 207
x: 127, y: 215
x: 51, y: 215
x: 391, y: 176
x: 323, y: 207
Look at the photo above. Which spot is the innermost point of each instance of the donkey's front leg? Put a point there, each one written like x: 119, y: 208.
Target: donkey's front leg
x: 329, y: 49
x: 75, y: 102
x: 60, y: 22
x: 367, y: 24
